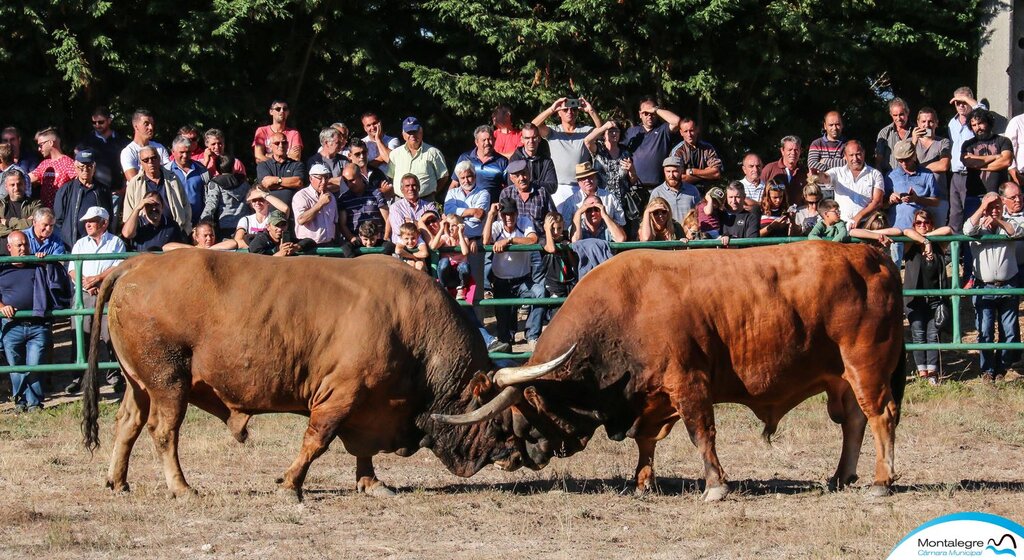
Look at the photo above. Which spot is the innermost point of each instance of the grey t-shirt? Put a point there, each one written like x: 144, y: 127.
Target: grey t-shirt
x: 567, y: 150
x: 680, y: 201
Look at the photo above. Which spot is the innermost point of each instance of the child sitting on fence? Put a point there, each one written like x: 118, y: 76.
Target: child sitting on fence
x: 452, y: 267
x: 412, y: 251
x: 831, y: 226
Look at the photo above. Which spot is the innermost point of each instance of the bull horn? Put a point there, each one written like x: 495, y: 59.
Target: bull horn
x: 506, y: 398
x: 506, y: 377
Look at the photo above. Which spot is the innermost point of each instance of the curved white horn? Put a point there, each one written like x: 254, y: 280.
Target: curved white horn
x: 506, y: 377
x: 506, y: 398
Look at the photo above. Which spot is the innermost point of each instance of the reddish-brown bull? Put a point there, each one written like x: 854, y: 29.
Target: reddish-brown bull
x: 367, y: 348
x: 662, y: 337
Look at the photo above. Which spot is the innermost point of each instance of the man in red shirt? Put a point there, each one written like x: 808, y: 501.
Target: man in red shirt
x: 506, y: 136
x: 279, y: 112
x: 787, y: 170
x: 55, y: 170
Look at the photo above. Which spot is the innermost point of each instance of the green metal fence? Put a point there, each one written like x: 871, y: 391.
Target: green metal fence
x: 956, y: 294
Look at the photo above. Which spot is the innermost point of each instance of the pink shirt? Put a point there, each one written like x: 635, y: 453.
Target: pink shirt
x: 212, y: 168
x: 52, y: 174
x: 323, y: 228
x: 451, y: 241
x: 264, y: 133
x: 507, y: 142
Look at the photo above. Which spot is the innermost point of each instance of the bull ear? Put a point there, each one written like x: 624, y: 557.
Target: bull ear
x: 480, y: 386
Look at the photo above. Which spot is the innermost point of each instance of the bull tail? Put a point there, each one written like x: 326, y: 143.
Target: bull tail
x: 899, y: 382
x: 90, y: 386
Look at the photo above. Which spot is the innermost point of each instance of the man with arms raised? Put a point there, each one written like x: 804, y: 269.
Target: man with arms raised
x: 566, y: 139
x: 651, y: 140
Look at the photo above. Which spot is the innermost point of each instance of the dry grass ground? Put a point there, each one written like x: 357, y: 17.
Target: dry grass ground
x: 960, y: 447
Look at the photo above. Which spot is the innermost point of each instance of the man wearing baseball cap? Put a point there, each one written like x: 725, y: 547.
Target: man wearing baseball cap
x: 272, y: 240
x: 97, y: 241
x: 418, y: 158
x: 78, y: 196
x: 316, y: 209
x: 681, y: 196
x: 911, y: 188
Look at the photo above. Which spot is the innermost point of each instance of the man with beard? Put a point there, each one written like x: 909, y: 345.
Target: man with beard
x: 681, y: 196
x: 787, y: 171
x: 959, y: 133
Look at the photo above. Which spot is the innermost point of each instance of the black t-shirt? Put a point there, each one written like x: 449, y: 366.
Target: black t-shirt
x: 559, y: 267
x: 150, y: 237
x: 981, y: 182
x: 262, y: 244
x: 741, y: 224
x: 17, y: 286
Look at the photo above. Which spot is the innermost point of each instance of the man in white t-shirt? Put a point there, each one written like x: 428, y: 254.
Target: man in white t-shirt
x: 96, y: 241
x: 858, y: 187
x: 565, y: 140
x: 143, y: 127
x: 510, y: 270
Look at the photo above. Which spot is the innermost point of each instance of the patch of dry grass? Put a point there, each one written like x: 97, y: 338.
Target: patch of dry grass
x: 959, y: 448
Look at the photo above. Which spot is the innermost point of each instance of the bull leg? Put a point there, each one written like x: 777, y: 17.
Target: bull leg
x: 168, y: 411
x: 844, y: 410
x: 698, y: 415
x: 323, y: 425
x: 877, y: 404
x: 645, y: 481
x: 131, y: 417
x: 366, y: 479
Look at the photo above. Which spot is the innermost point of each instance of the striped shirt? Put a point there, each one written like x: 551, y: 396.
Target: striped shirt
x: 824, y: 154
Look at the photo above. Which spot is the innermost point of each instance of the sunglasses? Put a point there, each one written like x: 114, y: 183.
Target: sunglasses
x: 922, y: 223
x: 776, y: 187
x: 281, y: 143
x: 660, y: 213
x: 279, y: 109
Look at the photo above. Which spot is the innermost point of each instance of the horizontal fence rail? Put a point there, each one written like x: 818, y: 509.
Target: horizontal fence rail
x: 955, y: 293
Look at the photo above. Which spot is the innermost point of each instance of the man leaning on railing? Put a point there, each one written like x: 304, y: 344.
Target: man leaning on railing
x: 995, y: 266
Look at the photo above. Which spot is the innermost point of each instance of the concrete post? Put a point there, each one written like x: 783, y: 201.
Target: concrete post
x: 1001, y: 61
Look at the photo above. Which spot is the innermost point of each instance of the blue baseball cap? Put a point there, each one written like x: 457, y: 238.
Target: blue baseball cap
x: 410, y: 124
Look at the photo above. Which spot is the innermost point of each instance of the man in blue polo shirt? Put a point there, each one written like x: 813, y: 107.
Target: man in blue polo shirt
x: 25, y: 340
x: 192, y: 174
x: 489, y: 165
x: 651, y: 140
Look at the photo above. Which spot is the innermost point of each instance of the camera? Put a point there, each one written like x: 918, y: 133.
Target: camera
x: 928, y: 133
x: 572, y: 104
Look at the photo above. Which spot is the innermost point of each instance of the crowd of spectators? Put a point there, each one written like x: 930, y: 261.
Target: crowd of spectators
x: 568, y: 180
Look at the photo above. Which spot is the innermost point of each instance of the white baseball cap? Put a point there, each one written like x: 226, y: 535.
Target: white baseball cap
x: 319, y: 169
x: 95, y: 212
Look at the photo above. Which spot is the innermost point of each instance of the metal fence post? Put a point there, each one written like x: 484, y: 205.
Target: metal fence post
x: 78, y: 319
x: 955, y: 299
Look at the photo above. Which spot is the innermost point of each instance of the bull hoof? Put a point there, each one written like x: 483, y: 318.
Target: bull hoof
x: 716, y: 493
x: 375, y: 488
x: 879, y: 491
x: 836, y: 484
x: 290, y: 495
x: 118, y: 487
x: 645, y: 488
x: 186, y: 493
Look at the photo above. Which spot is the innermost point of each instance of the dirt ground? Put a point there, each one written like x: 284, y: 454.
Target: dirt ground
x: 959, y: 448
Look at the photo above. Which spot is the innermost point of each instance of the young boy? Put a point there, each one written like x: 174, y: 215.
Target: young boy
x: 370, y: 235
x: 451, y: 235
x: 412, y: 251
x: 831, y: 226
x: 559, y: 260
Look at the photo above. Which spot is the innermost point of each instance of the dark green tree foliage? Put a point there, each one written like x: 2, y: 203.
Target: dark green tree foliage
x: 751, y: 71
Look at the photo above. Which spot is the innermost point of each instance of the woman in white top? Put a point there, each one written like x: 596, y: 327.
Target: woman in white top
x: 250, y: 225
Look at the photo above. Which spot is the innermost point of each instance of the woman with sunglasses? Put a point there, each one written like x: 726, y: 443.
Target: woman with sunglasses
x: 657, y: 223
x: 776, y: 218
x: 925, y: 269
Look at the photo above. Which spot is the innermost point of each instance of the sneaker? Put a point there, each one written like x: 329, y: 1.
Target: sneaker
x: 498, y: 346
x: 74, y: 387
x: 933, y: 379
x: 488, y: 294
x: 460, y: 294
x: 35, y: 408
x: 20, y: 408
x: 988, y: 377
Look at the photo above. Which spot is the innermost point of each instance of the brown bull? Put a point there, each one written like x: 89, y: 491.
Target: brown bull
x: 367, y: 348
x: 662, y: 337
